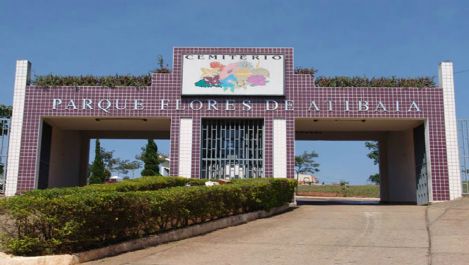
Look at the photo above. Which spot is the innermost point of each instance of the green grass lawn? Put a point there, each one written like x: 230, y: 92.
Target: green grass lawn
x: 367, y: 191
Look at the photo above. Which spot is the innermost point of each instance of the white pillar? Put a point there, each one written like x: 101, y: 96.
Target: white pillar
x: 279, y: 148
x: 23, y: 75
x: 185, y: 148
x: 454, y: 174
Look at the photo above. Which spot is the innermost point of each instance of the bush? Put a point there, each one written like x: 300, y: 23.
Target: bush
x: 140, y: 184
x: 77, y: 221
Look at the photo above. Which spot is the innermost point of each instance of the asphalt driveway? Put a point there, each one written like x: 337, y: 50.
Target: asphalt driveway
x: 327, y: 234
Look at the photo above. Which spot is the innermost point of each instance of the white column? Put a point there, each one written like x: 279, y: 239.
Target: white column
x: 279, y: 148
x: 23, y: 74
x: 454, y: 174
x: 185, y: 148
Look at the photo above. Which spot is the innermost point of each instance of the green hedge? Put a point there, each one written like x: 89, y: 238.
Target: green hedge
x: 140, y: 184
x: 79, y: 221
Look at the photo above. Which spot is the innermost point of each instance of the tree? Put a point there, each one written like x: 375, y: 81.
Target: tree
x: 110, y: 163
x: 132, y: 166
x: 374, y: 179
x: 150, y: 159
x: 373, y: 155
x: 121, y: 167
x: 374, y: 151
x: 97, y: 170
x: 305, y: 163
x: 125, y: 166
x: 5, y: 111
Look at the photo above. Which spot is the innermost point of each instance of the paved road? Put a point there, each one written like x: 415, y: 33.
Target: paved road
x: 327, y: 234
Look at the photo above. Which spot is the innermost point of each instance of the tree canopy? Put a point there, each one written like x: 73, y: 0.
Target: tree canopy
x: 374, y: 151
x: 305, y: 163
x: 373, y: 155
x: 125, y: 166
x: 5, y: 111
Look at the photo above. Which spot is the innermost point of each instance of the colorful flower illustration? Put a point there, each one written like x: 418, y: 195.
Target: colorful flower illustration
x: 232, y: 76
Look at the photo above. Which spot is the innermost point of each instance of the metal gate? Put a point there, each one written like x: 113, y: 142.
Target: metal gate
x: 463, y: 139
x: 232, y: 148
x: 4, y: 135
x: 421, y: 165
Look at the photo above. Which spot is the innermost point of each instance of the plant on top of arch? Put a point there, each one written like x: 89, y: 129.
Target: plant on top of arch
x: 90, y: 80
x: 116, y: 80
x: 357, y: 81
x: 363, y: 81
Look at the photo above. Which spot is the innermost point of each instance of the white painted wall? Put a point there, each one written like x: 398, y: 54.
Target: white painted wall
x: 23, y: 75
x: 452, y: 152
x: 185, y: 148
x: 279, y: 148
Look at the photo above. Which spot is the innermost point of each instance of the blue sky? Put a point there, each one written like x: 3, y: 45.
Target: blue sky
x: 339, y: 37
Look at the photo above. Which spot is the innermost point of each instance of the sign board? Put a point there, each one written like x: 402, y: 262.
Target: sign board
x: 233, y: 75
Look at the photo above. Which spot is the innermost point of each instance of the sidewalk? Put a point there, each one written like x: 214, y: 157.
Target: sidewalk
x: 448, y: 224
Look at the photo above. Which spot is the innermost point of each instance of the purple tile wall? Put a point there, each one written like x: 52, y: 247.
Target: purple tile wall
x: 298, y: 88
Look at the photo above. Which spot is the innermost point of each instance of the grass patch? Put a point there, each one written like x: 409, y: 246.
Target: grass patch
x: 364, y: 191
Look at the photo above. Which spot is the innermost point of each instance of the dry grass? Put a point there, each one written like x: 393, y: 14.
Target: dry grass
x: 364, y: 191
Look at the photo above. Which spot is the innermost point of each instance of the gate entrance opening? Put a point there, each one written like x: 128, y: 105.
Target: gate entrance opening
x: 65, y: 144
x: 339, y: 168
x: 403, y: 163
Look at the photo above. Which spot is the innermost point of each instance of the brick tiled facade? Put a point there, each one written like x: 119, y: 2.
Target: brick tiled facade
x: 298, y: 88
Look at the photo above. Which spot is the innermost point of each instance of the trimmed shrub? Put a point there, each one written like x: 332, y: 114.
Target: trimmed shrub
x: 140, y: 184
x: 78, y: 221
x: 147, y: 183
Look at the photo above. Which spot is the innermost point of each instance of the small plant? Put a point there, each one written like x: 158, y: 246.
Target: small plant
x: 344, y: 188
x: 162, y: 67
x: 306, y: 71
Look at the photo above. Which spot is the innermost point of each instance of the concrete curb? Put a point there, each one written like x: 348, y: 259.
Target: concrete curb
x: 141, y: 243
